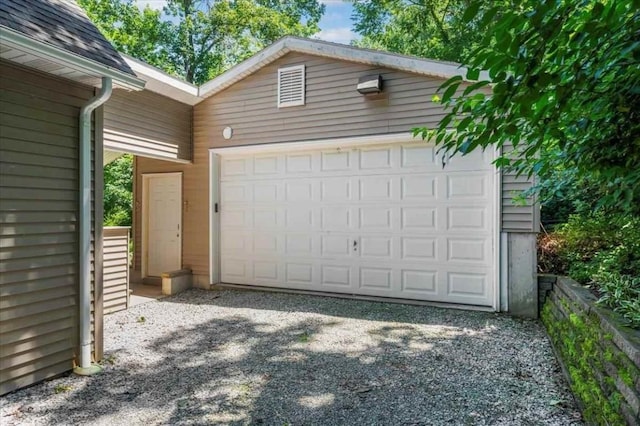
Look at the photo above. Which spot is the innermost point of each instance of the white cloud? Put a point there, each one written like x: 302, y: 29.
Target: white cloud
x: 342, y: 35
x: 153, y: 4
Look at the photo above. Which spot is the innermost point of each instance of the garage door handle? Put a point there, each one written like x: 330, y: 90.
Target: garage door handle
x: 355, y: 245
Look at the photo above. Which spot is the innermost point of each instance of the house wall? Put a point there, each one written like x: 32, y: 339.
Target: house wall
x: 147, y: 124
x: 38, y: 224
x: 333, y: 109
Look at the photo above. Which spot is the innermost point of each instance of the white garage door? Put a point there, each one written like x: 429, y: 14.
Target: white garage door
x: 385, y: 220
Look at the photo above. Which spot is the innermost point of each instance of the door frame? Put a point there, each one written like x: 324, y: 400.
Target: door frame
x: 145, y: 218
x: 358, y: 141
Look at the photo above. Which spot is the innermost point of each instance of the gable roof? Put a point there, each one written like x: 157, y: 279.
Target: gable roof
x: 57, y: 37
x: 343, y: 52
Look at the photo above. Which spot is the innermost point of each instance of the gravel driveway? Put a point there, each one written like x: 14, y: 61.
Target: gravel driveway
x: 236, y: 357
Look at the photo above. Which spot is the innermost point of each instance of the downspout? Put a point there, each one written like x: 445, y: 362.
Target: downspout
x: 85, y: 367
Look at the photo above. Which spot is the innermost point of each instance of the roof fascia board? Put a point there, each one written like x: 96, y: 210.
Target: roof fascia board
x: 265, y: 56
x: 164, y: 84
x: 66, y: 58
x: 337, y: 51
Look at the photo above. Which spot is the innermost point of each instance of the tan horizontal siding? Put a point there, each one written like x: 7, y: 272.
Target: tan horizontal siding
x: 518, y: 215
x: 147, y: 124
x: 38, y: 225
x: 333, y: 110
x: 115, y: 275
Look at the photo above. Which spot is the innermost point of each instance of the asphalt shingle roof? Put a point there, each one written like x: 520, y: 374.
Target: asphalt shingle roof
x: 63, y: 24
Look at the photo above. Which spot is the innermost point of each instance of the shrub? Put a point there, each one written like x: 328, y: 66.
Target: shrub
x: 602, y: 251
x: 620, y: 293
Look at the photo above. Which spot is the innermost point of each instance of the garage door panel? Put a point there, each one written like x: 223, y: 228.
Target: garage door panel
x: 374, y: 247
x: 296, y: 192
x: 337, y: 218
x: 336, y: 190
x: 267, y: 271
x: 234, y: 167
x: 299, y: 274
x: 378, y: 221
x: 468, y: 219
x: 469, y: 250
x: 336, y: 246
x: 336, y: 277
x: 418, y: 188
x: 375, y: 218
x: 236, y: 193
x: 419, y: 249
x: 421, y: 157
x: 235, y: 270
x: 301, y: 244
x: 418, y: 218
x: 266, y: 192
x: 376, y: 188
x: 334, y: 161
x: 266, y: 165
x: 377, y: 158
x: 468, y: 286
x: 299, y: 163
x: 419, y: 283
x: 375, y: 278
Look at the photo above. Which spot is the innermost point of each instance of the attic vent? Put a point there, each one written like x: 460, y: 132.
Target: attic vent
x: 291, y: 86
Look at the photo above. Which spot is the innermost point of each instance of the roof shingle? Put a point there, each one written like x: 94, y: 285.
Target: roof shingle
x: 63, y: 24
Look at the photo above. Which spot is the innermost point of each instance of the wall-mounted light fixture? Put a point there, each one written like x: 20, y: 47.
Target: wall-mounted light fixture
x: 369, y: 84
x: 227, y: 132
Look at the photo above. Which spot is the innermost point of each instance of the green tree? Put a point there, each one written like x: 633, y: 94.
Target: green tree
x: 118, y: 190
x: 199, y: 39
x: 564, y: 83
x: 427, y: 28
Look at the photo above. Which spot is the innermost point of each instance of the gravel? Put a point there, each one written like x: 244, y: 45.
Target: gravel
x: 246, y: 357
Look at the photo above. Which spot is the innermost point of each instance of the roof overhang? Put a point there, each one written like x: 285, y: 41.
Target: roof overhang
x: 343, y: 52
x: 19, y: 48
x: 162, y: 83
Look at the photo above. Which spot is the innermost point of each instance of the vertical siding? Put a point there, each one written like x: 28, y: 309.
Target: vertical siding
x: 115, y: 269
x: 38, y: 232
x: 148, y: 124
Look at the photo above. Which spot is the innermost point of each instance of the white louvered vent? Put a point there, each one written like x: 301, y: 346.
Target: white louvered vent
x: 291, y: 86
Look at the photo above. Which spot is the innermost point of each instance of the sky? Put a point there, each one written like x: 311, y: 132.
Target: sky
x: 335, y: 25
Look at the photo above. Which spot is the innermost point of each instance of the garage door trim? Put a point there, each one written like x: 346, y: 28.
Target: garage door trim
x: 214, y: 185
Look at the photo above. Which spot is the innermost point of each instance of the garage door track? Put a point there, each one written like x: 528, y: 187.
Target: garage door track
x: 236, y: 357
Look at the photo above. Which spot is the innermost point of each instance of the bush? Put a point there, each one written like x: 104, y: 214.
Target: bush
x: 601, y: 251
x: 620, y: 293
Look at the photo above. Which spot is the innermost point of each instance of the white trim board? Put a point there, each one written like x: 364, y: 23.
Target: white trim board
x: 337, y: 51
x: 317, y: 144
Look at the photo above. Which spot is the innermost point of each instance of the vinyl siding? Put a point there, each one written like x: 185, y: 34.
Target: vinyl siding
x: 518, y: 214
x: 115, y: 269
x: 38, y: 225
x: 333, y: 109
x: 147, y: 124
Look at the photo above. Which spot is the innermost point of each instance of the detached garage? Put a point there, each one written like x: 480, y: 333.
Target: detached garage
x: 305, y: 176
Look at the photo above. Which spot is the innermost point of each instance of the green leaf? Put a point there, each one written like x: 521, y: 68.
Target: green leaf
x: 450, y: 91
x: 473, y: 74
x: 471, y: 11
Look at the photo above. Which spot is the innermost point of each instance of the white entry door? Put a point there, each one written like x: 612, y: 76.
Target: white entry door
x: 384, y: 220
x: 162, y: 214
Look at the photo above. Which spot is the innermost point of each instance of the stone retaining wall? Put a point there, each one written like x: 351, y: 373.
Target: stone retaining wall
x: 600, y: 357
